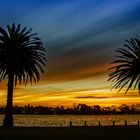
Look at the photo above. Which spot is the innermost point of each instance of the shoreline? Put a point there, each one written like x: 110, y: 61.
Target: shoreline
x: 71, y: 133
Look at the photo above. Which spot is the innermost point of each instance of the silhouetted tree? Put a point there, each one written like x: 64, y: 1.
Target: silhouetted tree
x: 126, y: 69
x: 132, y: 109
x: 124, y: 109
x: 84, y: 109
x: 106, y: 110
x: 96, y: 109
x: 21, y: 59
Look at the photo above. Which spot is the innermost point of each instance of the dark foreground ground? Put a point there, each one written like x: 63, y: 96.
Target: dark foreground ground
x: 73, y: 133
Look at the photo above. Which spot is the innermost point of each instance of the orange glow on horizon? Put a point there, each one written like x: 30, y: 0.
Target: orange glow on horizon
x: 51, y: 95
x: 91, y: 91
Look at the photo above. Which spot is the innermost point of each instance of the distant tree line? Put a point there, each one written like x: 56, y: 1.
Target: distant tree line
x: 80, y: 109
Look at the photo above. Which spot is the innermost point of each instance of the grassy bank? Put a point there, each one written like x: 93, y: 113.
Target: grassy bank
x: 73, y: 133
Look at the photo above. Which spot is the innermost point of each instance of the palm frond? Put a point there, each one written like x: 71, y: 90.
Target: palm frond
x: 23, y: 52
x: 126, y: 68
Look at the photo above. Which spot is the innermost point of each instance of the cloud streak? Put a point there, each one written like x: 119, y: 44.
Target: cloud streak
x: 91, y: 97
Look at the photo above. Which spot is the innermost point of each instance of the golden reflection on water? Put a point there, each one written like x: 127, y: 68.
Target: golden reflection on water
x: 77, y: 120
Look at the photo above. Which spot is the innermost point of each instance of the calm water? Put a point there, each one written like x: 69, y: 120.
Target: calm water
x: 63, y: 120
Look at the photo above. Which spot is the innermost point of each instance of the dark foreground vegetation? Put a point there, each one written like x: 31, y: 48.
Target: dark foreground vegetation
x: 80, y: 109
x: 71, y: 133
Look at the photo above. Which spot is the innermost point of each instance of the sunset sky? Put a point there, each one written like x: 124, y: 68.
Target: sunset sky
x: 80, y: 37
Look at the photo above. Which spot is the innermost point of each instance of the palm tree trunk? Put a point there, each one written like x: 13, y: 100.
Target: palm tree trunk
x: 139, y: 87
x: 8, y: 120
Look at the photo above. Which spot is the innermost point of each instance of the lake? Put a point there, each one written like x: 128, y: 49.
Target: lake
x: 77, y: 120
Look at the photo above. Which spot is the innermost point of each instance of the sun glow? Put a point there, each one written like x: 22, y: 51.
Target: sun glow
x: 67, y: 94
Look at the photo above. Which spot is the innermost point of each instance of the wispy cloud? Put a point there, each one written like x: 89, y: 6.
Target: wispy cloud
x: 94, y: 97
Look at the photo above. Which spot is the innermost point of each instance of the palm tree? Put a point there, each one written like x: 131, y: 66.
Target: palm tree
x: 126, y: 69
x: 21, y: 59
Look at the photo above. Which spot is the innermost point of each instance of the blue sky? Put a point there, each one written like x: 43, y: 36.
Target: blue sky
x: 80, y: 36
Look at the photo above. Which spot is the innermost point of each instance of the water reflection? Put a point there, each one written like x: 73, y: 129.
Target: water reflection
x: 77, y: 120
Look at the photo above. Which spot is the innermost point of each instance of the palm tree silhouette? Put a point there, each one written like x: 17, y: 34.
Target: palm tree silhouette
x: 126, y: 69
x: 21, y: 59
